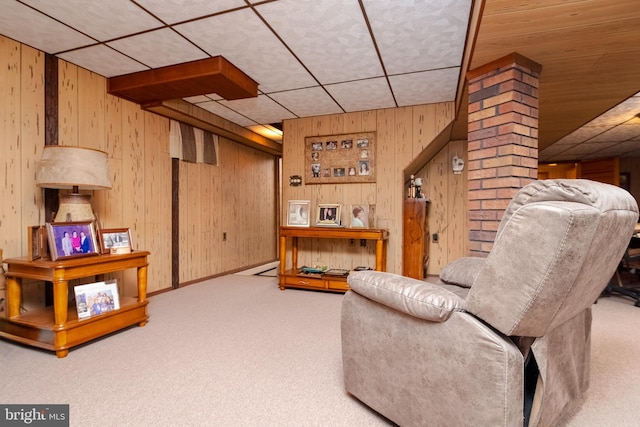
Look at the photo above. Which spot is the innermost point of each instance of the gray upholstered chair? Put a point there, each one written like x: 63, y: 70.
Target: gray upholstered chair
x: 498, y: 341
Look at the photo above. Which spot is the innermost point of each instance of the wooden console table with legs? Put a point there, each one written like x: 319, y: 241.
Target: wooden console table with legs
x: 291, y: 279
x: 57, y: 328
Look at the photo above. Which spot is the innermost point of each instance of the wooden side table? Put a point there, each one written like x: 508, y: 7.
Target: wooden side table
x: 291, y: 279
x: 57, y: 328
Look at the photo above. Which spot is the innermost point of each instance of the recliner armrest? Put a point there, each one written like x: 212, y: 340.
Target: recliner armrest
x: 414, y: 297
x: 462, y: 271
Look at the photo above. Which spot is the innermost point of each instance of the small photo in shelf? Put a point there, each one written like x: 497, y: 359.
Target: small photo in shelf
x: 328, y: 215
x: 96, y: 298
x: 299, y: 213
x: 359, y: 216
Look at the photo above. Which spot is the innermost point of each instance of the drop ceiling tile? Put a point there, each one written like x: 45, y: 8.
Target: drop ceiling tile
x: 297, y: 101
x: 41, y: 32
x: 103, y: 60
x: 143, y: 48
x: 224, y: 112
x: 329, y: 36
x: 438, y: 26
x: 261, y: 109
x: 427, y: 87
x: 370, y: 94
x: 264, y: 58
x: 619, y: 133
x: 203, y: 98
x: 103, y: 20
x: 582, y: 134
x: 619, y: 114
x: 173, y: 11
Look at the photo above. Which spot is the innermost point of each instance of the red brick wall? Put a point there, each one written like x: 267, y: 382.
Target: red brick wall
x: 503, y: 142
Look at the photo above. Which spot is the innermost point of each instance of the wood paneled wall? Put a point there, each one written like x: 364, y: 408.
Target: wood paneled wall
x: 448, y: 208
x: 238, y: 197
x: 401, y: 133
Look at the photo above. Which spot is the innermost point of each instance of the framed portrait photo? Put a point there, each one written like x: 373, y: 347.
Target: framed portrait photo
x: 34, y: 242
x: 71, y: 239
x: 359, y: 216
x: 115, y: 240
x: 328, y: 215
x: 299, y: 213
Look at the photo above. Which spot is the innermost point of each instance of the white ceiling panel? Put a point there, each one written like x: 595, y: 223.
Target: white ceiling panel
x: 427, y: 87
x: 103, y: 20
x: 297, y: 101
x: 35, y: 29
x: 261, y: 109
x: 174, y: 11
x: 619, y: 133
x: 354, y: 96
x: 432, y: 38
x: 224, y: 112
x: 329, y: 36
x: 175, y: 48
x: 264, y: 59
x: 103, y: 60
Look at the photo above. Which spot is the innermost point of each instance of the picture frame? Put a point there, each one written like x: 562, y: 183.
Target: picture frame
x: 115, y: 240
x: 34, y: 242
x: 96, y: 298
x: 359, y: 216
x: 71, y: 239
x: 328, y: 214
x: 299, y: 213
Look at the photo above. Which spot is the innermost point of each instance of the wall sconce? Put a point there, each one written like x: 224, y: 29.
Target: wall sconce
x: 295, y: 180
x: 457, y: 164
x: 73, y: 168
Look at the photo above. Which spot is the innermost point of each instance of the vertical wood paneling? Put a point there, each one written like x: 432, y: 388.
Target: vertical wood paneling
x: 32, y: 135
x: 68, y: 104
x: 91, y: 109
x: 400, y: 134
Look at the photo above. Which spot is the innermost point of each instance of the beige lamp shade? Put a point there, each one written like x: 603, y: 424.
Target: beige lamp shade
x: 65, y: 167
x: 73, y: 168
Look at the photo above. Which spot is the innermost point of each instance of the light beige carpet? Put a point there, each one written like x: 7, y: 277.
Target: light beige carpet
x: 237, y: 351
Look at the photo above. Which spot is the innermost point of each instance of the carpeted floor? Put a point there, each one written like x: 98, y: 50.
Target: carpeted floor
x: 237, y: 351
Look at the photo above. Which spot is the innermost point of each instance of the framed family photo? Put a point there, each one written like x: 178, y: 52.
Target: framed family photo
x: 328, y: 214
x: 35, y: 242
x: 115, y: 240
x: 71, y: 239
x: 299, y: 213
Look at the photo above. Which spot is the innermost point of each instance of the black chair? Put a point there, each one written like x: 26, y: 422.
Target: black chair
x: 630, y: 265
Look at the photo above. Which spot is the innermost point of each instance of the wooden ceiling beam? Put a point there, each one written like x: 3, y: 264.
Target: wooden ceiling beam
x: 205, y: 76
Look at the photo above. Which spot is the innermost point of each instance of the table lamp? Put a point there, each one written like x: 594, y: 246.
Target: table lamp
x: 73, y: 168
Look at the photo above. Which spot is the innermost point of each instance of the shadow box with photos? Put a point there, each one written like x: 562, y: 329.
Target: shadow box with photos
x: 340, y: 158
x: 71, y: 239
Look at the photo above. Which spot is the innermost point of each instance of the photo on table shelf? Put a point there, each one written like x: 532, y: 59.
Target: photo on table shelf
x: 328, y: 214
x: 71, y: 239
x: 359, y: 216
x: 299, y: 213
x: 115, y: 240
x: 34, y: 242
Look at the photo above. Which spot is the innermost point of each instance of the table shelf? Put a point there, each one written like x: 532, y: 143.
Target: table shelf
x: 58, y: 328
x: 290, y: 278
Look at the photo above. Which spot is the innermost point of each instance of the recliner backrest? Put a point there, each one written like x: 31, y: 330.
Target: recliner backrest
x: 556, y: 248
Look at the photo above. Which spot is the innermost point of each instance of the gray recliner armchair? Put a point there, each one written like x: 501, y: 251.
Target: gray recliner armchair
x: 498, y: 341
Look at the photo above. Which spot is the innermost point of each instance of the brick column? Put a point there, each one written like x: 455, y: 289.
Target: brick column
x: 503, y: 142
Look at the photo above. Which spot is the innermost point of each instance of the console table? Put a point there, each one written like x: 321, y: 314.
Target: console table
x: 291, y: 279
x: 57, y: 328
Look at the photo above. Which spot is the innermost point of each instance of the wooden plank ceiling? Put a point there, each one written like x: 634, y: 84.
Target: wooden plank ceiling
x: 589, y: 51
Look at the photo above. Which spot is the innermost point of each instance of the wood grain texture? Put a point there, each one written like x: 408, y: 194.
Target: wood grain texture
x: 400, y: 135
